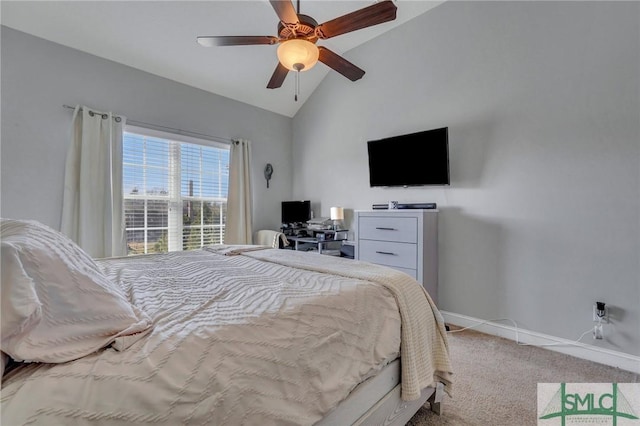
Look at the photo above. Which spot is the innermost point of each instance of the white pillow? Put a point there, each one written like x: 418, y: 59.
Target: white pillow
x: 56, y: 303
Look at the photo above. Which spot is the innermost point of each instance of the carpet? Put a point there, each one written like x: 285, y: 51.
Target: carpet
x: 495, y: 381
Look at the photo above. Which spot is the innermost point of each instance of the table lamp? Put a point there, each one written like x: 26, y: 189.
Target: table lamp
x: 337, y: 215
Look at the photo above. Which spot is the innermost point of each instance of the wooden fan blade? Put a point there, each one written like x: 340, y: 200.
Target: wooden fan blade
x: 210, y: 41
x: 278, y: 77
x: 285, y: 11
x: 372, y: 15
x: 340, y: 64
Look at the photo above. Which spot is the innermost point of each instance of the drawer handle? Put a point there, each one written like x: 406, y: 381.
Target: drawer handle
x: 386, y: 252
x: 386, y: 229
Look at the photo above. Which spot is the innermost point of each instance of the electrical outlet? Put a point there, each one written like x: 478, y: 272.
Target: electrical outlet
x: 604, y: 319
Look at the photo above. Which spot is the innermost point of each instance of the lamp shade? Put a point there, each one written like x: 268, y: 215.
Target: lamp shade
x: 298, y: 54
x: 337, y: 213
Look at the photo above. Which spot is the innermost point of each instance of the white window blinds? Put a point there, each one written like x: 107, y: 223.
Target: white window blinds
x: 175, y: 192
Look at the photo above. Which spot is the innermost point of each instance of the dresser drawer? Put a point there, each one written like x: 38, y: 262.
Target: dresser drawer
x: 402, y: 255
x: 400, y: 229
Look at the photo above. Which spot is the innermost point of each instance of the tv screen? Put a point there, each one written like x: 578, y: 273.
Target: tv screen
x: 296, y: 211
x: 413, y: 159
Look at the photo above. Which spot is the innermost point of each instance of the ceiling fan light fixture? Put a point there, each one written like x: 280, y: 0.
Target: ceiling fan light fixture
x: 298, y: 54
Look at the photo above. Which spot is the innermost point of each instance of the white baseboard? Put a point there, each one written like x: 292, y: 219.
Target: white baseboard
x: 579, y: 350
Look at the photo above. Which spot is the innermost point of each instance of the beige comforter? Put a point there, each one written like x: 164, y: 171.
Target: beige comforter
x: 241, y: 339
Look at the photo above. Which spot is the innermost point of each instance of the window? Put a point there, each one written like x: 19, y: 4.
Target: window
x: 175, y: 191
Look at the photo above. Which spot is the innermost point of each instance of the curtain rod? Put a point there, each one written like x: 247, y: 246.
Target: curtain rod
x: 166, y: 128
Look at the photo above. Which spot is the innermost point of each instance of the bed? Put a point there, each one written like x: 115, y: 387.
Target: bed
x: 226, y: 335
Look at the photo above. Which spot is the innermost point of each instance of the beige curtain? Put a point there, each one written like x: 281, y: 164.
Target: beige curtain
x: 238, y: 228
x: 92, y: 206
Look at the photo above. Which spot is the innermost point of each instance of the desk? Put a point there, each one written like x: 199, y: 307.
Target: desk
x: 320, y: 243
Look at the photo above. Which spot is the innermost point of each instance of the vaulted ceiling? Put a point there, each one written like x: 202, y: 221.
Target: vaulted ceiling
x: 159, y: 37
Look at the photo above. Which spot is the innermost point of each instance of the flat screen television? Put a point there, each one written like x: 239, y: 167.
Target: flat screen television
x: 296, y: 211
x: 414, y: 159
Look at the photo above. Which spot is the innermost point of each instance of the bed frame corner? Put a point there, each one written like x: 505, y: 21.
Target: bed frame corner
x: 435, y: 400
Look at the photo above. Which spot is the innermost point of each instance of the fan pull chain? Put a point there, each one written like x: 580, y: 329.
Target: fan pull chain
x: 298, y: 67
x: 297, y: 85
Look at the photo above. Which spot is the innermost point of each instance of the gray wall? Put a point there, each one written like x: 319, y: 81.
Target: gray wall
x: 38, y: 77
x: 542, y: 102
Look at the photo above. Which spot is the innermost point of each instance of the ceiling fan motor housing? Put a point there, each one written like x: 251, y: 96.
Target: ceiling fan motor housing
x: 305, y: 28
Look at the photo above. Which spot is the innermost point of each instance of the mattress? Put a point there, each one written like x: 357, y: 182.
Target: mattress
x: 240, y: 336
x: 364, y: 396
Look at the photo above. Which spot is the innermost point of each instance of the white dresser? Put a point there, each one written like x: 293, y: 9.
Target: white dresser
x: 406, y: 240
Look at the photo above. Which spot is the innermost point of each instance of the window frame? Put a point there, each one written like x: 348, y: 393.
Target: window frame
x: 174, y: 197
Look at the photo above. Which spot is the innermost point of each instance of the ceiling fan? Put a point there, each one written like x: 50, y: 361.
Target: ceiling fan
x: 298, y: 35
